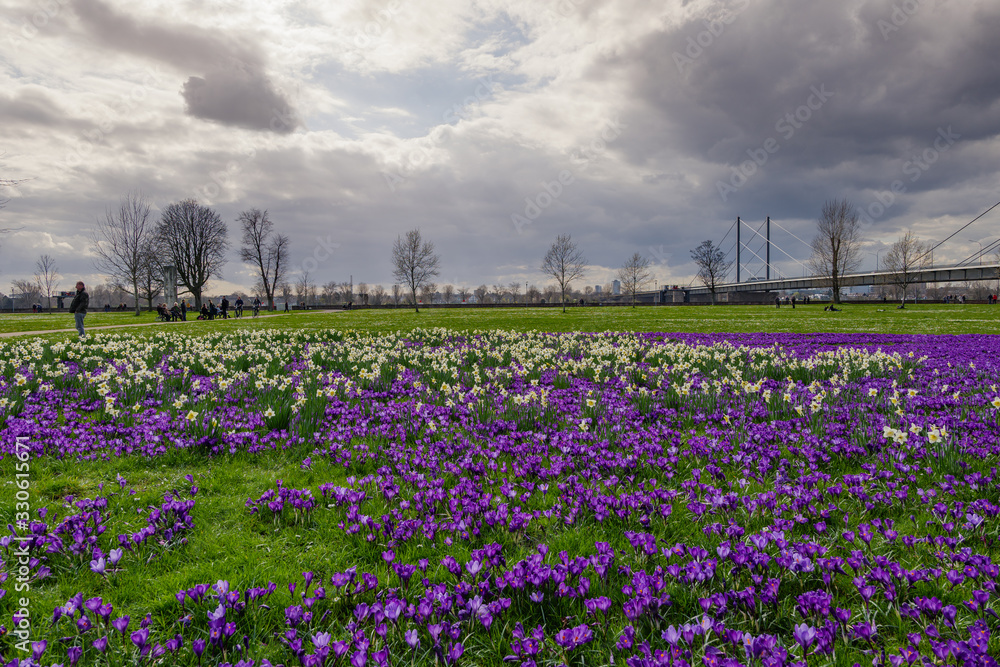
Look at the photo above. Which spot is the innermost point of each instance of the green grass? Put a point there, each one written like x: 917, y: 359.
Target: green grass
x: 878, y: 319
x: 58, y: 321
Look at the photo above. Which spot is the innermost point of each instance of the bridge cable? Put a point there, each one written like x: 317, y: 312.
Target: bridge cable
x: 783, y: 250
x: 774, y: 222
x: 968, y: 261
x: 958, y: 231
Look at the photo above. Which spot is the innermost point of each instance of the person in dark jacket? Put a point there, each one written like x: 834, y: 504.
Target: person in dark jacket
x: 213, y: 310
x: 184, y: 310
x: 79, y: 308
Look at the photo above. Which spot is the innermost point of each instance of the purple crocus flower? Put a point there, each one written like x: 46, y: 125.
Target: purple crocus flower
x: 37, y: 649
x: 804, y: 635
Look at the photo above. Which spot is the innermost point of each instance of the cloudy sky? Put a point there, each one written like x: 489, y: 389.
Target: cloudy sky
x: 495, y: 125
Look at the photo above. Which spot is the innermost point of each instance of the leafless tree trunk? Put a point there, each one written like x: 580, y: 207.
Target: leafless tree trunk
x: 266, y: 250
x: 397, y: 294
x: 378, y: 295
x: 564, y: 262
x: 150, y: 277
x: 304, y: 288
x: 329, y: 293
x: 122, y: 240
x: 514, y: 288
x: 47, y: 277
x: 836, y: 249
x: 29, y: 291
x: 633, y: 274
x: 427, y: 292
x: 463, y: 293
x: 905, y: 257
x: 194, y: 239
x: 449, y: 293
x: 415, y: 263
x: 712, y: 265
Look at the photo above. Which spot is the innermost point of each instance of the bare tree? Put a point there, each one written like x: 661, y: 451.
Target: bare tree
x: 378, y: 295
x: 47, y: 277
x: 533, y: 294
x: 836, y: 249
x: 397, y: 294
x: 448, y: 291
x: 499, y: 292
x: 712, y: 265
x: 329, y: 293
x: 480, y: 293
x: 363, y: 294
x: 633, y: 274
x: 463, y: 293
x: 27, y: 290
x: 194, y: 240
x: 264, y: 249
x: 150, y: 276
x: 305, y: 289
x: 514, y: 288
x: 564, y: 262
x: 905, y: 257
x: 122, y: 241
x: 415, y: 263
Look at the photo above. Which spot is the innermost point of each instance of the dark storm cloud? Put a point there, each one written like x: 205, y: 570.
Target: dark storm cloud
x: 232, y: 87
x: 720, y: 86
x: 30, y: 107
x: 240, y: 96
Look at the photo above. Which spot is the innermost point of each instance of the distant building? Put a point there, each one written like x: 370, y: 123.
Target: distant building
x: 597, y: 289
x: 616, y: 287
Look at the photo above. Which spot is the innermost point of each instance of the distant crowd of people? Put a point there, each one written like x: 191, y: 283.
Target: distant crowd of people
x: 209, y: 311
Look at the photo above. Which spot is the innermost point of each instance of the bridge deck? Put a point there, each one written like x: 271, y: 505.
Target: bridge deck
x: 929, y: 275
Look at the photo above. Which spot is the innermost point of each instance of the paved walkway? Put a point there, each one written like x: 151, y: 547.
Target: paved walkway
x: 72, y: 329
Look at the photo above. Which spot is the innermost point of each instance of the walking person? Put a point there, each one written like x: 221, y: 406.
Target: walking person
x: 793, y: 303
x: 777, y: 301
x: 224, y: 307
x: 79, y: 308
x: 184, y: 310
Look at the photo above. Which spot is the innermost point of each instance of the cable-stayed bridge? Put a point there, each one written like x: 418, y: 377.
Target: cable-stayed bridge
x: 750, y: 255
x: 944, y: 274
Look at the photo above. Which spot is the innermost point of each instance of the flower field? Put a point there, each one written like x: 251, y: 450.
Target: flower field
x: 490, y: 497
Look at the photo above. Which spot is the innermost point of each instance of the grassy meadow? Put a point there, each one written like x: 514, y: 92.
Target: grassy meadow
x: 591, y: 441
x: 811, y: 318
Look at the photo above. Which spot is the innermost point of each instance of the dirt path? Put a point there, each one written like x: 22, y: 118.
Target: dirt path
x: 12, y: 334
